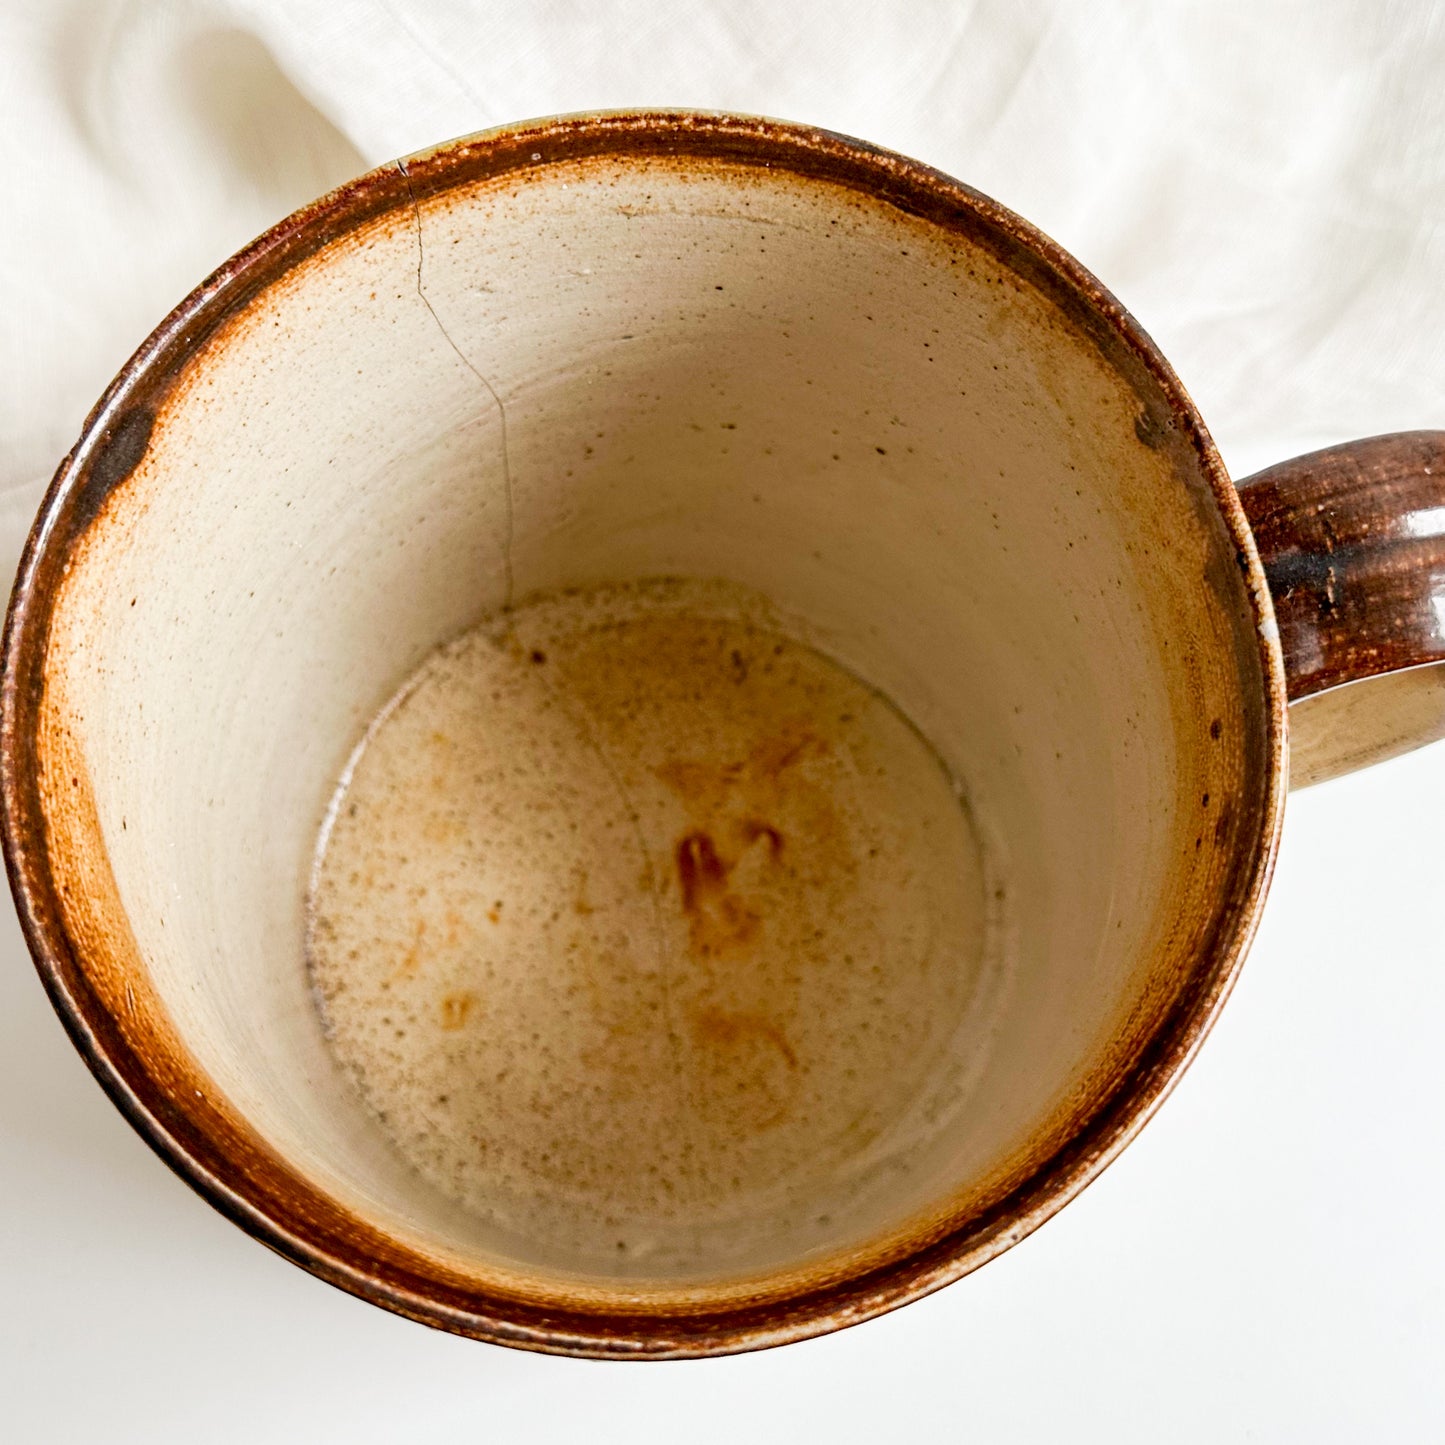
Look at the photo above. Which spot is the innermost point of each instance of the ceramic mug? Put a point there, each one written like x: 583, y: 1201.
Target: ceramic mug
x: 638, y: 345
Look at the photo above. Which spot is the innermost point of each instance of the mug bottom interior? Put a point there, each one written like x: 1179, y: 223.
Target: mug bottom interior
x: 657, y: 940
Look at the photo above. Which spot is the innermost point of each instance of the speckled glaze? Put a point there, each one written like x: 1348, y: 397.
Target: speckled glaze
x: 599, y: 350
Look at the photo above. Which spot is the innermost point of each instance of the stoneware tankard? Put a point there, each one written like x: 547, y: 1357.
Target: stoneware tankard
x: 646, y: 350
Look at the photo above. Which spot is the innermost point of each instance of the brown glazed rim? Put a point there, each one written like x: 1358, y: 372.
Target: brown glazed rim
x: 311, y: 1230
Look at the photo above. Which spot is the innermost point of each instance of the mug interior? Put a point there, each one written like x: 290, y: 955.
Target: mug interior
x: 848, y: 388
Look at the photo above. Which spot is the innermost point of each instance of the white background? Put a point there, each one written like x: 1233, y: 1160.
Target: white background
x: 1263, y: 183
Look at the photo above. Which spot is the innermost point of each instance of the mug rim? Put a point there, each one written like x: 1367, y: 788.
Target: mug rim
x: 107, y: 451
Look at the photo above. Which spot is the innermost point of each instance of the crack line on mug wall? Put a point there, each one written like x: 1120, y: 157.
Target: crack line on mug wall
x: 582, y: 723
x: 508, y: 521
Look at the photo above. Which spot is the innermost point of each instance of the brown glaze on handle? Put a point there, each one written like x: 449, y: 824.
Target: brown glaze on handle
x: 1353, y: 543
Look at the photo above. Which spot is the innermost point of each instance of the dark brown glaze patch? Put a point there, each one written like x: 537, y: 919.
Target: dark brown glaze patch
x: 122, y: 449
x: 1353, y: 544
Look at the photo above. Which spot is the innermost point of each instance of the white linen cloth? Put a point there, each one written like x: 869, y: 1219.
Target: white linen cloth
x: 1263, y: 183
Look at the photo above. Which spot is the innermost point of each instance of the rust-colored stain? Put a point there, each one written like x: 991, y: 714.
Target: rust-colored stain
x: 426, y: 942
x: 753, y: 829
x: 729, y: 799
x: 714, y: 1026
x: 718, y: 919
x: 455, y: 1009
x: 411, y: 959
x: 746, y: 1045
x: 706, y: 786
x: 774, y: 756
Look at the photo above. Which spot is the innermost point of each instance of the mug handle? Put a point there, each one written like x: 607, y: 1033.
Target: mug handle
x: 1353, y: 543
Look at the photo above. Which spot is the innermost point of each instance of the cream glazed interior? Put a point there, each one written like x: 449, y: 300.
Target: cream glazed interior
x: 843, y: 426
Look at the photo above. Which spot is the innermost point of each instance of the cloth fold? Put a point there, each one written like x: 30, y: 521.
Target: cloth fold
x: 1263, y: 185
